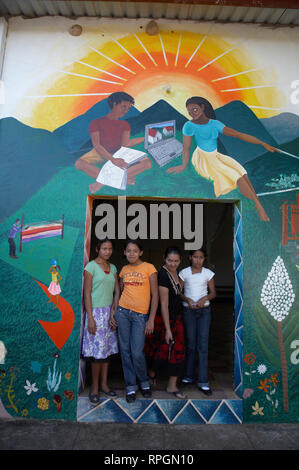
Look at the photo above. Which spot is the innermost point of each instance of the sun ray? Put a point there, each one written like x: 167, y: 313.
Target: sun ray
x: 92, y: 78
x: 178, y: 50
x: 216, y: 58
x: 201, y: 42
x: 235, y: 74
x: 247, y: 88
x: 163, y: 50
x: 263, y: 107
x: 100, y: 70
x: 111, y: 60
x: 129, y: 54
x: 145, y: 49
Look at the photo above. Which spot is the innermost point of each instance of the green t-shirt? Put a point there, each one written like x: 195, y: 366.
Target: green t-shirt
x: 102, y: 284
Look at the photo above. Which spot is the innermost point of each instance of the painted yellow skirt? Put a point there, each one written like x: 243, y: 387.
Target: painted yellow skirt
x: 224, y: 171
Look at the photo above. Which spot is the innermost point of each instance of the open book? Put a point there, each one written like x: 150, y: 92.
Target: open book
x: 112, y: 175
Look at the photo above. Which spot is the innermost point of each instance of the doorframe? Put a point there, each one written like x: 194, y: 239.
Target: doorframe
x: 238, y: 282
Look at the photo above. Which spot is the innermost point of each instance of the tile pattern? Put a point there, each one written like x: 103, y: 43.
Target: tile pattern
x: 163, y: 411
x: 238, y: 267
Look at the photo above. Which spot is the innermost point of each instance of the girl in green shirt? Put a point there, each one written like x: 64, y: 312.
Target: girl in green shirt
x: 101, y: 294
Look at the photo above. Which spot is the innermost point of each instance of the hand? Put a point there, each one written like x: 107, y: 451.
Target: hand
x: 269, y: 147
x: 168, y: 336
x: 191, y: 303
x: 120, y: 162
x: 200, y: 303
x: 112, y: 322
x: 92, y: 327
x: 175, y: 169
x: 149, y: 327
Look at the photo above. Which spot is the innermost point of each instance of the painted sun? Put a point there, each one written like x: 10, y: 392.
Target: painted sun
x: 171, y: 65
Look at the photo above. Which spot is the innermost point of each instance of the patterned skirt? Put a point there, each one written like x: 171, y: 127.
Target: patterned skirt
x: 157, y: 353
x: 104, y: 343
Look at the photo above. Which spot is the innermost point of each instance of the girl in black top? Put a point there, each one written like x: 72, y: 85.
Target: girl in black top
x: 165, y: 348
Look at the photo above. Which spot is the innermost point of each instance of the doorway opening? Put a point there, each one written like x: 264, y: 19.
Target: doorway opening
x: 218, y: 221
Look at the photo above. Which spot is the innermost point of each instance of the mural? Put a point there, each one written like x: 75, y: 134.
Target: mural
x: 205, y: 111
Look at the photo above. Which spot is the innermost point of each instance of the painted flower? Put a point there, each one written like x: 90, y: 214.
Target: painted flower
x: 262, y: 369
x: 30, y: 387
x: 277, y: 293
x: 264, y: 385
x: 43, y: 404
x: 273, y: 379
x: 257, y: 409
x: 69, y: 394
x: 248, y: 392
x: 25, y: 413
x: 68, y: 375
x: 250, y: 359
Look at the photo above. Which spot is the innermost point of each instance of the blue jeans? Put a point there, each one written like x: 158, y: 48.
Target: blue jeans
x: 197, y: 327
x: 131, y: 335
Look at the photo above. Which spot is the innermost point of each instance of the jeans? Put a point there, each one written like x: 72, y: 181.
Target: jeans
x: 197, y: 327
x: 131, y: 335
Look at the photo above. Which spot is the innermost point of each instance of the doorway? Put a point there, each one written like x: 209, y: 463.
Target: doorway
x: 218, y: 240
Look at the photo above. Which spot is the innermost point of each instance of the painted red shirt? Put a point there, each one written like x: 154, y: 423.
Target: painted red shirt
x: 111, y: 132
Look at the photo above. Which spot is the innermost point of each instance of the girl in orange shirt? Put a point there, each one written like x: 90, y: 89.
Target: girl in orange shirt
x: 135, y: 317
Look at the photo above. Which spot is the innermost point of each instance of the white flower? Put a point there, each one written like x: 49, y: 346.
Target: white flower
x: 262, y: 369
x: 30, y: 387
x: 277, y: 293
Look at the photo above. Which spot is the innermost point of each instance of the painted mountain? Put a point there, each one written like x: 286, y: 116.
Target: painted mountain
x: 284, y: 127
x: 30, y: 157
x: 239, y: 117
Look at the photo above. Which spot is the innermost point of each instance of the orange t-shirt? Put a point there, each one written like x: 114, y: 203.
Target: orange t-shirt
x: 136, y: 294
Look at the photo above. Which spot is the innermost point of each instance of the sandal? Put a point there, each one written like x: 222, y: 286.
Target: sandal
x: 110, y: 393
x: 178, y: 394
x: 94, y: 399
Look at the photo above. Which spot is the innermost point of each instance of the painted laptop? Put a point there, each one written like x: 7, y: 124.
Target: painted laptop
x: 161, y: 143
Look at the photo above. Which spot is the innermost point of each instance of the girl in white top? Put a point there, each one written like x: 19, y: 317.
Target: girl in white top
x: 199, y: 289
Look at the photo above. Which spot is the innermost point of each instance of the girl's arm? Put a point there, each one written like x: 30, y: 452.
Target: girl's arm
x: 247, y: 138
x: 212, y: 294
x: 187, y: 139
x: 154, y: 304
x: 88, y: 304
x: 96, y: 142
x: 116, y: 297
x: 127, y: 142
x: 163, y: 294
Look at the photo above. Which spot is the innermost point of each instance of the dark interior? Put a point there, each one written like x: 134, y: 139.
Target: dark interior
x: 218, y: 242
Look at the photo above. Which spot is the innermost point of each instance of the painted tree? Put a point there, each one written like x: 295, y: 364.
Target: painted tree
x: 278, y: 297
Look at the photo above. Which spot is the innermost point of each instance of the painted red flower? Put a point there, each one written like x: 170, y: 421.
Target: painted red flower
x: 250, y: 358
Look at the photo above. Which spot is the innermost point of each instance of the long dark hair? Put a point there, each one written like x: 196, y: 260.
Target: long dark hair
x: 134, y: 242
x: 172, y: 250
x: 208, y: 108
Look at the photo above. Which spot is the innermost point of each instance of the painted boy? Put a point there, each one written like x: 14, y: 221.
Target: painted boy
x: 14, y: 229
x: 108, y: 134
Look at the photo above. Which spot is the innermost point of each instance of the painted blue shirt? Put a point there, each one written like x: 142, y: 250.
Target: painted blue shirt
x: 205, y: 134
x: 14, y: 230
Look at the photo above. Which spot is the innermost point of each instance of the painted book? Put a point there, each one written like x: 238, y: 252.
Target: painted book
x: 112, y: 175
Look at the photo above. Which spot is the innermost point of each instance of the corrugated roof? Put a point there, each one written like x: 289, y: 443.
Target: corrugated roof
x: 284, y: 13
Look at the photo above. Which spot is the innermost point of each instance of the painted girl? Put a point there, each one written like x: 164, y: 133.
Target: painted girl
x: 225, y: 172
x: 54, y: 287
